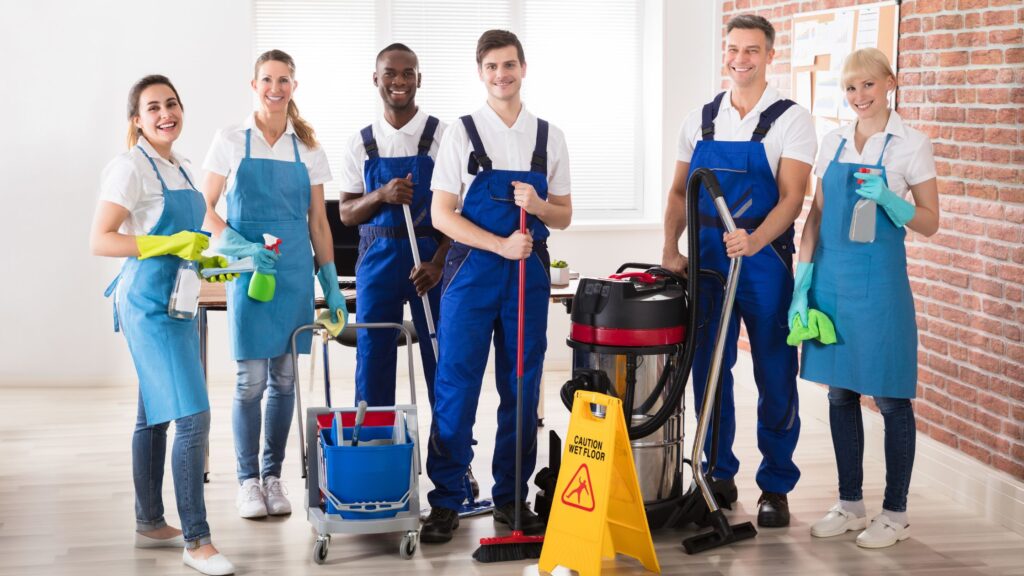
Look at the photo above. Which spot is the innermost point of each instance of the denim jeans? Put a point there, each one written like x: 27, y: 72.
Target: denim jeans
x: 848, y: 442
x: 149, y: 448
x: 253, y: 378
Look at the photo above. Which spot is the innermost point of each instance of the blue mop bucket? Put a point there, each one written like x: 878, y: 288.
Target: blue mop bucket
x: 367, y: 473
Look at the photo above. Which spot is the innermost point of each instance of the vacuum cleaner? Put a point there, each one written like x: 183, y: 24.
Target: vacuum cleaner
x: 633, y: 336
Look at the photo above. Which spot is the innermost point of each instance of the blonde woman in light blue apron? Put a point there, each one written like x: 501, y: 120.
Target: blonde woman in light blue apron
x: 876, y: 169
x: 150, y: 213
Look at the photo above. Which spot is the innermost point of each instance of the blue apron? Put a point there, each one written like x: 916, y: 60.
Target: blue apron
x: 479, y: 300
x: 272, y: 196
x: 385, y: 260
x: 865, y: 290
x: 165, y: 350
x: 762, y: 298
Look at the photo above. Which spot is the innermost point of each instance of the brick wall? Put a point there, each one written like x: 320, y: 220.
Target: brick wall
x: 961, y: 81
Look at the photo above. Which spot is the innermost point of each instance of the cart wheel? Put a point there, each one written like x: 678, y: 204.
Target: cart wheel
x: 320, y: 548
x: 410, y: 542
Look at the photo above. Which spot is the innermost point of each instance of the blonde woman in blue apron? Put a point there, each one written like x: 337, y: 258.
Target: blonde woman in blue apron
x: 273, y: 170
x: 150, y: 213
x: 857, y: 276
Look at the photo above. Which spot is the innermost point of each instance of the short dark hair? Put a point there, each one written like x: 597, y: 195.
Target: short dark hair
x: 396, y: 47
x: 753, y: 22
x: 493, y: 39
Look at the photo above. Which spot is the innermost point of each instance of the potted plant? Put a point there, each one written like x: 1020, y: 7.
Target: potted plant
x: 559, y: 273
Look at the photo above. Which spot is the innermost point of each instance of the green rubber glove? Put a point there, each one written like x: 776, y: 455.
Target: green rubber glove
x: 873, y: 187
x: 185, y: 245
x: 215, y: 262
x: 802, y: 283
x: 328, y: 277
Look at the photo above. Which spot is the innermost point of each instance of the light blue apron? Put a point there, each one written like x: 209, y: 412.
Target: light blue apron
x: 272, y: 196
x: 865, y: 290
x: 165, y: 350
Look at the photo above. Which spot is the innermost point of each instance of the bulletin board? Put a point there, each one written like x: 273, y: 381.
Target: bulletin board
x: 821, y: 40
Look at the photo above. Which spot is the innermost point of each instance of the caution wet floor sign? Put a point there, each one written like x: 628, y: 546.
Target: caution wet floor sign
x: 599, y: 511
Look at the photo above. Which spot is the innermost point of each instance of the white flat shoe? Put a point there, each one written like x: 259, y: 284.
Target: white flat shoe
x: 882, y: 533
x: 143, y: 541
x: 216, y: 565
x: 837, y: 521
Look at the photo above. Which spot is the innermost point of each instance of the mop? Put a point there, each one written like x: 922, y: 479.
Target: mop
x: 517, y: 546
x: 471, y: 506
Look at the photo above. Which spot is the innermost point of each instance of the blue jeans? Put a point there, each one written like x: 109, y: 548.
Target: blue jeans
x: 149, y: 448
x: 848, y: 442
x: 253, y: 377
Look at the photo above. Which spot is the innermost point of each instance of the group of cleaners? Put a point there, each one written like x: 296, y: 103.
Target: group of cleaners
x: 465, y: 185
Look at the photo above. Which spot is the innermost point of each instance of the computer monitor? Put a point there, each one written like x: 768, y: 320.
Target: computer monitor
x: 346, y: 241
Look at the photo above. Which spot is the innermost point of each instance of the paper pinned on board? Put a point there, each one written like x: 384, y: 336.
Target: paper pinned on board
x: 805, y: 43
x: 867, y: 28
x: 826, y: 94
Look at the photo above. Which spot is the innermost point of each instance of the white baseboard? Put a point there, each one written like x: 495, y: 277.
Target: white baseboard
x: 985, y: 491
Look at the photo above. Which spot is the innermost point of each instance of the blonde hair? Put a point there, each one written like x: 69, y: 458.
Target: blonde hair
x: 303, y: 129
x: 870, y: 62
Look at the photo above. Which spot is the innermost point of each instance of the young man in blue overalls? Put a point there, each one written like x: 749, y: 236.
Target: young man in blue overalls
x: 492, y: 164
x: 761, y: 148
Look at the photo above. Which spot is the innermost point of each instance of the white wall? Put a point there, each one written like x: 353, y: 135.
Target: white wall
x: 69, y: 67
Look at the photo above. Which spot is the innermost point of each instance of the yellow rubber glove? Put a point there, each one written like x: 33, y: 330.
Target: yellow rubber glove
x: 185, y: 245
x: 215, y: 262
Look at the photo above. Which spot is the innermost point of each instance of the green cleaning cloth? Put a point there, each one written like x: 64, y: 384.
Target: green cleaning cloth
x: 819, y: 327
x: 333, y: 327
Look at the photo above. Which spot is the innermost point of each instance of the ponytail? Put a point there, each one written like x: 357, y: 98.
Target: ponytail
x: 302, y: 128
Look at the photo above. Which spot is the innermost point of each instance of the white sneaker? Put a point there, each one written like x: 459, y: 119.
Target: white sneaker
x: 216, y: 565
x: 250, y: 501
x: 882, y: 533
x: 836, y: 522
x: 274, y: 493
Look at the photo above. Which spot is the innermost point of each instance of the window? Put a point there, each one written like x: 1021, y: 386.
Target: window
x: 584, y: 74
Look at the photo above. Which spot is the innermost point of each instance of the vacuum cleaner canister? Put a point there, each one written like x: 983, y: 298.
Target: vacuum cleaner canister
x: 633, y: 309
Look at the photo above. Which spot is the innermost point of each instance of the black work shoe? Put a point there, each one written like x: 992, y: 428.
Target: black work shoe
x: 725, y: 492
x: 474, y: 486
x: 438, y: 527
x: 531, y: 523
x: 772, y: 510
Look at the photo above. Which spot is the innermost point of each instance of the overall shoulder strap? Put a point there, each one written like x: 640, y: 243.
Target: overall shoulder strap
x: 539, y: 161
x: 768, y: 118
x: 478, y: 159
x: 708, y: 115
x: 369, y: 142
x: 427, y: 138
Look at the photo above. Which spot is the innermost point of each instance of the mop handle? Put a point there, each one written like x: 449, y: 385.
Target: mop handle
x: 416, y: 260
x: 522, y: 300
x: 519, y: 373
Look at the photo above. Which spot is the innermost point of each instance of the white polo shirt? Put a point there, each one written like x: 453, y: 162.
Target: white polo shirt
x: 509, y: 148
x: 228, y: 149
x: 908, y: 159
x: 792, y: 135
x: 391, y: 143
x: 129, y: 181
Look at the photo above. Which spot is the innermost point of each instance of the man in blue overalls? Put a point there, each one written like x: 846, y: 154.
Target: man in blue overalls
x: 492, y: 164
x: 761, y: 148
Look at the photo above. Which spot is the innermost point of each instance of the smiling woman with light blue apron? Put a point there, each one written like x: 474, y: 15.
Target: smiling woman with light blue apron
x: 150, y: 212
x: 858, y: 279
x: 273, y: 170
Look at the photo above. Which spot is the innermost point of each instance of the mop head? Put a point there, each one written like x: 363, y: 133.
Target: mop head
x: 509, y: 548
x: 333, y: 327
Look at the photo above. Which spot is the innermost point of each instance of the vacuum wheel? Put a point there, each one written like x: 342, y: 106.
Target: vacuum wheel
x: 410, y: 542
x: 320, y: 548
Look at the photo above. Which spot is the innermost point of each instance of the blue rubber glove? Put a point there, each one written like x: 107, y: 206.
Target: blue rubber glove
x: 234, y: 244
x: 873, y: 187
x: 802, y: 283
x: 328, y: 277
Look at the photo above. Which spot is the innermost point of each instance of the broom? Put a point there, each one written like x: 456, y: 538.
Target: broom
x: 518, y: 546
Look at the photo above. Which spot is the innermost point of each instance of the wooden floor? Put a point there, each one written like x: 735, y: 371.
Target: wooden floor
x: 66, y: 504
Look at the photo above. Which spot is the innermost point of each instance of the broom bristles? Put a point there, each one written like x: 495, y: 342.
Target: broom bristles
x: 509, y: 548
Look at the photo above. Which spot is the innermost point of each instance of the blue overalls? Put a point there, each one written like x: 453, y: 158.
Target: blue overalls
x: 865, y: 290
x: 762, y: 299
x: 385, y: 260
x: 479, y: 299
x: 272, y: 196
x: 165, y: 350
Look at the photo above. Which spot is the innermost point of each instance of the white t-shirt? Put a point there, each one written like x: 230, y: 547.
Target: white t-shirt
x: 129, y: 181
x: 391, y: 143
x: 908, y: 158
x: 792, y: 135
x: 508, y: 148
x: 228, y: 149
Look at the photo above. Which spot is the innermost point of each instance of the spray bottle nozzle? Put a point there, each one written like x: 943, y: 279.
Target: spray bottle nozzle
x: 271, y: 242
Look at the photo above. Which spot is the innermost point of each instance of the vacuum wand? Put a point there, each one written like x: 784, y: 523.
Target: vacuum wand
x: 426, y: 296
